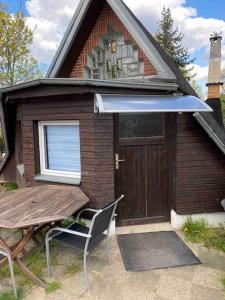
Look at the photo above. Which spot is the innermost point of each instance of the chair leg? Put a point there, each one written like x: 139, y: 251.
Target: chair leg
x: 107, y: 247
x: 87, y: 284
x: 12, y: 277
x: 48, y: 257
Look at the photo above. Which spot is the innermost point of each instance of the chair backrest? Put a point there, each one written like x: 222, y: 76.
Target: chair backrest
x: 103, y: 218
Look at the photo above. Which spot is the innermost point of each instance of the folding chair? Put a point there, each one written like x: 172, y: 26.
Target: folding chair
x: 85, y: 238
x: 5, y: 253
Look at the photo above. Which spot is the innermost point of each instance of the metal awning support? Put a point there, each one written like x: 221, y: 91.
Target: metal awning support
x: 105, y: 103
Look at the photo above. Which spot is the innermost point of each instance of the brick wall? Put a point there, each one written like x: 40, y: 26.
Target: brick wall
x: 107, y: 17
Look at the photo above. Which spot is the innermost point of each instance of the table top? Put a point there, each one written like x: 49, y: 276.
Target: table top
x: 39, y: 205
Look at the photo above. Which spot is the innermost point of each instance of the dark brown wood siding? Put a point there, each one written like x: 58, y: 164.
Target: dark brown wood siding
x: 96, y: 134
x: 200, y: 167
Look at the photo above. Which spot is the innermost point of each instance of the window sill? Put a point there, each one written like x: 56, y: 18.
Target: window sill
x: 58, y: 179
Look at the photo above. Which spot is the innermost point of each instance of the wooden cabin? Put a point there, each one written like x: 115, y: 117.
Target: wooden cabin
x: 113, y: 116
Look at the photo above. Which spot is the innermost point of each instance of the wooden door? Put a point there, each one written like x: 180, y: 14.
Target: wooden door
x: 143, y: 175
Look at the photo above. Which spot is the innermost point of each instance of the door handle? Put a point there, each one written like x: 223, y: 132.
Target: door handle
x: 118, y: 161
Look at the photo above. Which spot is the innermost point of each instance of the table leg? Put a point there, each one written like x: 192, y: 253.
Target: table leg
x: 15, y: 251
x: 29, y: 274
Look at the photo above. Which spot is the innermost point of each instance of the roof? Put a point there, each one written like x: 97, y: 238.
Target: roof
x: 169, y: 77
x: 130, y: 22
x: 90, y: 82
x: 134, y: 26
x: 212, y: 123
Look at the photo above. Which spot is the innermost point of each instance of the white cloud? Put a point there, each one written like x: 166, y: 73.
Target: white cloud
x: 202, y: 72
x: 51, y: 18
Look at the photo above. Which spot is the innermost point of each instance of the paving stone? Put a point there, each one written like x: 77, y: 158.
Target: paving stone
x: 152, y: 228
x: 208, y: 277
x: 199, y: 292
x: 186, y: 273
x: 212, y: 259
x: 113, y: 282
x: 173, y: 289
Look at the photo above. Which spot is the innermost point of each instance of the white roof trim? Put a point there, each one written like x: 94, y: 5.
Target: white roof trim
x: 142, y: 40
x: 68, y: 38
x: 132, y: 26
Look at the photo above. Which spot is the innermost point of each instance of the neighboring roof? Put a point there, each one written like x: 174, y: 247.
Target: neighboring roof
x: 134, y: 27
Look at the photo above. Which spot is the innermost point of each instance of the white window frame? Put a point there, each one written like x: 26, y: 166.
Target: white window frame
x: 43, y: 170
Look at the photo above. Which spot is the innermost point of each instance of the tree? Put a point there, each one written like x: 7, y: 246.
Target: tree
x: 171, y: 39
x: 16, y: 62
x: 197, y: 89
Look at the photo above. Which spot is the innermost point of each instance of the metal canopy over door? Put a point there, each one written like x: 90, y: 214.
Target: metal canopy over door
x: 143, y: 163
x: 144, y: 137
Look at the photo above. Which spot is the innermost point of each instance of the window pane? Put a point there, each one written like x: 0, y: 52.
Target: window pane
x: 141, y: 125
x: 62, y: 148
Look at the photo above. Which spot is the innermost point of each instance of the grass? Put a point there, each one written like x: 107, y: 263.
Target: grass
x: 36, y: 262
x: 223, y: 282
x: 198, y: 231
x: 69, y: 221
x: 53, y: 287
x: 10, y: 186
x: 10, y: 296
x: 73, y: 269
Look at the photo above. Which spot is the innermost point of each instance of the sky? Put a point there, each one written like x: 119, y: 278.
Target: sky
x: 195, y: 18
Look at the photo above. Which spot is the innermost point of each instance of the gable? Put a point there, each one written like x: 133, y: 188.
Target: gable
x: 110, y: 52
x: 95, y: 22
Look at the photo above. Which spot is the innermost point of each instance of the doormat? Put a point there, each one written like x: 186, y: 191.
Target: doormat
x: 154, y: 250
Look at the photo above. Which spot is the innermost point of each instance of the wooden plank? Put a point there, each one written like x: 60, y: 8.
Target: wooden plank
x: 40, y: 205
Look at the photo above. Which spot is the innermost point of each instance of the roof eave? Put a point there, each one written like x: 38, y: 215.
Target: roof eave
x: 210, y: 132
x: 169, y: 86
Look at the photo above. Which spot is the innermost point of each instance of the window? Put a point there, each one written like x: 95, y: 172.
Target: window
x: 141, y: 125
x: 59, y: 144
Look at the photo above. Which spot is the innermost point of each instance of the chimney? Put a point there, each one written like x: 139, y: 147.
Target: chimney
x: 214, y: 78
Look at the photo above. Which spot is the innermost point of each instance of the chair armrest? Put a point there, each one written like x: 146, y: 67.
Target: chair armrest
x: 59, y: 229
x: 4, y: 252
x: 86, y: 210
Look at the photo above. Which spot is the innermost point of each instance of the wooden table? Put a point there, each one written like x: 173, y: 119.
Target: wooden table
x: 32, y: 209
